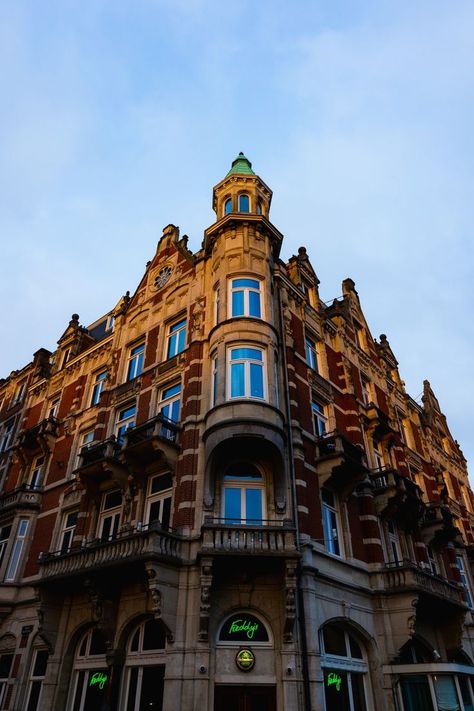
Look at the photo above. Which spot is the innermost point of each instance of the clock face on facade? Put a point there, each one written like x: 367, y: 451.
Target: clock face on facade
x: 163, y: 277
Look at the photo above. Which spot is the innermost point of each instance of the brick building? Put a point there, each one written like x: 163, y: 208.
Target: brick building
x: 220, y: 496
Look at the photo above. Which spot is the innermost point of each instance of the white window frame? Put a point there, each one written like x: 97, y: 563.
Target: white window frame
x: 378, y: 456
x: 167, y: 402
x: 393, y: 546
x: 137, y: 661
x: 466, y: 583
x: 6, y: 436
x: 247, y: 362
x: 114, y: 513
x: 4, y: 681
x: 35, y: 679
x: 214, y: 379
x: 366, y: 391
x: 311, y: 352
x: 19, y: 393
x: 348, y: 665
x: 332, y: 524
x: 320, y: 419
x: 99, y: 382
x: 17, y: 549
x: 244, y: 484
x: 158, y: 497
x: 86, y: 440
x: 125, y: 423
x: 37, y: 472
x: 4, y: 540
x: 135, y: 361
x: 67, y: 531
x: 174, y: 343
x: 246, y: 290
x: 53, y: 408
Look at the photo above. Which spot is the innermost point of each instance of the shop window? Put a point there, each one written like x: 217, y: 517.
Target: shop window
x: 345, y: 670
x: 17, y: 550
x: 35, y: 685
x: 176, y: 338
x: 319, y: 419
x: 91, y: 673
x: 243, y: 495
x: 246, y: 373
x: 245, y: 298
x: 99, y: 383
x: 125, y: 420
x: 331, y: 523
x: 145, y: 668
x: 109, y: 518
x: 135, y: 361
x: 158, y: 505
x: 243, y: 628
x: 416, y: 693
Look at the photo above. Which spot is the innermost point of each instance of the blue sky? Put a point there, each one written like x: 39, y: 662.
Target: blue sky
x: 117, y: 117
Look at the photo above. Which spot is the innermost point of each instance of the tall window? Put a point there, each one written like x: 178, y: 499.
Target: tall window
x: 393, y: 543
x: 311, y: 353
x: 67, y: 532
x: 36, y: 477
x: 86, y: 439
x: 145, y: 668
x: 245, y: 298
x: 38, y: 672
x: 228, y: 206
x: 6, y: 661
x: 158, y: 505
x: 464, y: 579
x: 6, y: 434
x: 19, y: 393
x: 378, y: 455
x: 432, y: 561
x: 54, y: 408
x: 5, y: 532
x: 330, y: 522
x: 125, y: 420
x: 244, y: 203
x: 17, y: 549
x: 110, y: 510
x: 366, y: 391
x: 91, y: 674
x: 215, y: 379
x: 135, y: 361
x: 345, y: 670
x: 246, y: 373
x: 176, y: 338
x: 319, y: 419
x: 99, y: 383
x: 218, y: 303
x: 243, y: 500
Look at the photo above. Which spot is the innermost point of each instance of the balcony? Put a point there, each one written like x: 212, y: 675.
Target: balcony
x: 397, y: 497
x: 147, y: 544
x: 437, y: 525
x: 339, y: 463
x: 23, y: 498
x: 408, y: 577
x: 101, y: 461
x: 156, y: 436
x: 41, y: 436
x: 269, y: 538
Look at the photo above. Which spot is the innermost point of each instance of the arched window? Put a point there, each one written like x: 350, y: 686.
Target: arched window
x: 345, y: 670
x: 259, y: 208
x: 145, y: 668
x: 243, y: 495
x: 91, y: 674
x: 228, y: 206
x: 244, y: 203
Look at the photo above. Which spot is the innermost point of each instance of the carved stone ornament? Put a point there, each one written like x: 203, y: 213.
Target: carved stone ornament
x: 163, y: 277
x: 205, y: 606
x: 290, y: 601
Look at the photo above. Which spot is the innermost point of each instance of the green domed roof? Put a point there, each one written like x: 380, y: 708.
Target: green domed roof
x: 241, y: 165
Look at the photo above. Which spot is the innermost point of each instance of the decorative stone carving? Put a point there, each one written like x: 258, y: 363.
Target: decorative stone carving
x: 290, y: 600
x: 206, y: 584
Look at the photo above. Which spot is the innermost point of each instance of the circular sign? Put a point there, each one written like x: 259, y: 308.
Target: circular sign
x: 245, y: 659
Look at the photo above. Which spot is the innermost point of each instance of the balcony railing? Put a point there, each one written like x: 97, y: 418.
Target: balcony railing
x: 44, y: 432
x: 158, y: 426
x: 272, y: 538
x: 406, y: 575
x: 147, y: 543
x: 340, y: 463
x: 24, y: 497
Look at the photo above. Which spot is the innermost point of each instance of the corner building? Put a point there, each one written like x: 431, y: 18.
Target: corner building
x: 220, y: 496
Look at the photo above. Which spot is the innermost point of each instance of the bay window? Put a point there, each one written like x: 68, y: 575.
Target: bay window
x: 246, y: 368
x: 245, y: 298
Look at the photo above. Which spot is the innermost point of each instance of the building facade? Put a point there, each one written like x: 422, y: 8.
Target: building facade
x: 220, y: 496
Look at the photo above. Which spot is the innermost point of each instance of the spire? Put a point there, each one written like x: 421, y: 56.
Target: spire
x: 241, y: 165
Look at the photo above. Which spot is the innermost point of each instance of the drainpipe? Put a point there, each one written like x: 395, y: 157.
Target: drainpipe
x: 300, y: 612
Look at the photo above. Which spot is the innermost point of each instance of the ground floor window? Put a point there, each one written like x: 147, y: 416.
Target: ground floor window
x: 145, y: 668
x: 91, y: 674
x: 345, y: 669
x: 437, y: 692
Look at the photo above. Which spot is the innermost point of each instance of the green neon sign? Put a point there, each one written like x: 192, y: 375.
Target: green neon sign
x: 98, y: 679
x: 246, y: 626
x: 334, y: 680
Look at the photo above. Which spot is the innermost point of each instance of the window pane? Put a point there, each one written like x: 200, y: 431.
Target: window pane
x: 5, y: 664
x: 41, y: 662
x: 446, y: 694
x: 112, y: 500
x: 34, y: 696
x: 97, y: 643
x: 232, y: 499
x: 416, y: 693
x: 334, y: 641
x: 254, y: 304
x: 132, y: 689
x: 169, y: 392
x: 95, y: 694
x: 253, y: 505
x: 166, y: 515
x: 237, y: 303
x: 356, y: 651
x: 228, y: 206
x: 161, y: 483
x: 250, y: 283
x: 465, y: 693
x: 79, y: 688
x: 153, y: 635
x: 177, y: 326
x: 251, y: 353
x: 256, y: 380
x: 151, y: 697
x: 237, y: 380
x: 244, y: 203
x: 358, y: 694
x: 336, y: 690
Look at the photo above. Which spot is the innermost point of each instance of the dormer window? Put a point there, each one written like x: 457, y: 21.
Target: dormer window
x: 244, y: 203
x: 228, y: 206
